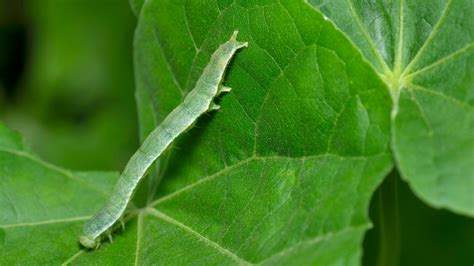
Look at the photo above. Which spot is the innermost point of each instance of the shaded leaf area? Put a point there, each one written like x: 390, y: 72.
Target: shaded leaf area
x: 285, y: 171
x: 136, y: 6
x: 424, y: 50
x: 426, y: 236
x: 43, y: 207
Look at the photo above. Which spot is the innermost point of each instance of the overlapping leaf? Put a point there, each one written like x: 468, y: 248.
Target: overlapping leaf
x: 425, y: 52
x: 42, y: 206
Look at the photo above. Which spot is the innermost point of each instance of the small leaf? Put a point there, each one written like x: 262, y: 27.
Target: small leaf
x: 43, y: 207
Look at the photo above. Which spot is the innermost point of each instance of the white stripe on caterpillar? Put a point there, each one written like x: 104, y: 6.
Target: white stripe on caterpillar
x: 197, y: 102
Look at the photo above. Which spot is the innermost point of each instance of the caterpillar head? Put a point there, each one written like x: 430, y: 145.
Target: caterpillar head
x: 89, y: 242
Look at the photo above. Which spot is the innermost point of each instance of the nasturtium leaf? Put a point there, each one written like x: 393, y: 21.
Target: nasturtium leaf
x: 285, y: 170
x: 42, y: 206
x: 424, y: 50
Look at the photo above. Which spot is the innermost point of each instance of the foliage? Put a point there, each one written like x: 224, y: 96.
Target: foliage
x: 328, y: 98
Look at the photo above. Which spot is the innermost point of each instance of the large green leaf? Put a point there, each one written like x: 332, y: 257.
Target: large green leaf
x: 285, y: 170
x: 424, y: 50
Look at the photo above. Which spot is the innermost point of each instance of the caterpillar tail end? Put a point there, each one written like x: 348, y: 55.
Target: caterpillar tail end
x: 89, y: 242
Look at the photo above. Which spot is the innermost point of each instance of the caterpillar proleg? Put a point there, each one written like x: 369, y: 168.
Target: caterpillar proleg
x: 198, y: 101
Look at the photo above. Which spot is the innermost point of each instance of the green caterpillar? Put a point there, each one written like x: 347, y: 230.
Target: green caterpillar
x: 197, y: 102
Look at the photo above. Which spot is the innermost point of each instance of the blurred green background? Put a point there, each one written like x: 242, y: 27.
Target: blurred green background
x: 66, y: 83
x: 66, y: 79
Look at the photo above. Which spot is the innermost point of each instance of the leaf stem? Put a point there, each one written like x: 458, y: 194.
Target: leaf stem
x: 389, y: 221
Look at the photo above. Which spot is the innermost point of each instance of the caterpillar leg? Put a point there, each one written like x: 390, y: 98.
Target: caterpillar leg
x: 214, y: 107
x: 122, y: 224
x: 223, y: 89
x: 110, y: 237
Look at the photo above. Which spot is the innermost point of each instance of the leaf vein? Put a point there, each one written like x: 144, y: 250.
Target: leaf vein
x: 46, y: 222
x: 431, y: 36
x: 315, y: 240
x: 186, y: 22
x: 442, y: 61
x: 168, y: 64
x: 370, y: 41
x: 139, y: 234
x: 188, y: 229
x: 245, y: 161
x: 75, y: 256
x: 440, y: 94
x: 52, y: 167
